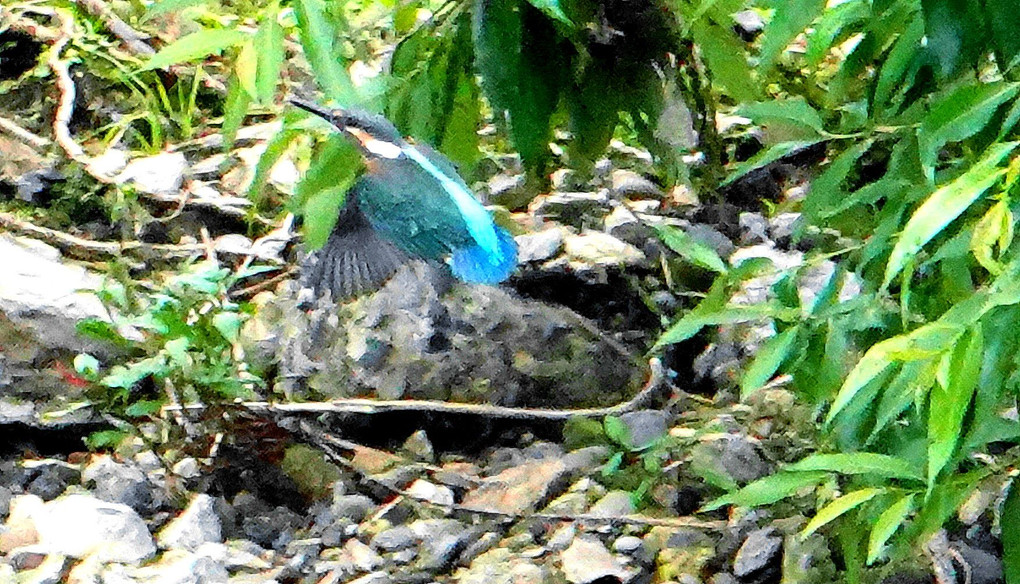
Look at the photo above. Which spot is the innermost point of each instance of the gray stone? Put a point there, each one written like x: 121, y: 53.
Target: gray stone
x: 394, y: 538
x: 644, y: 428
x: 373, y: 578
x: 578, y: 210
x: 42, y: 298
x: 182, y: 567
x: 362, y: 556
x: 187, y: 468
x: 613, y: 504
x: 587, y: 560
x: 117, y: 482
x: 50, y: 477
x: 196, y: 525
x: 627, y: 544
x: 423, y: 490
x: 623, y: 224
x: 594, y: 248
x: 50, y: 571
x: 441, y: 541
x: 353, y: 507
x: 79, y: 525
x: 418, y: 337
x: 540, y: 245
x: 761, y: 548
x: 419, y: 446
x: 161, y: 174
x: 5, y: 500
x: 627, y: 183
x: 753, y: 228
x: 479, y: 546
x: 562, y: 537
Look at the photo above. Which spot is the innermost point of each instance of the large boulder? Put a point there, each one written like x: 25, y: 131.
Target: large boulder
x: 425, y: 336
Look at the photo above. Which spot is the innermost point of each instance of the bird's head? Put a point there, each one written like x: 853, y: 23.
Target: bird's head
x: 374, y: 135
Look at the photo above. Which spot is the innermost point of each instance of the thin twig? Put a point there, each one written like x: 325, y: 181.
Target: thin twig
x: 329, y: 444
x: 250, y: 291
x: 34, y: 140
x: 132, y: 39
x: 656, y: 384
x: 87, y: 249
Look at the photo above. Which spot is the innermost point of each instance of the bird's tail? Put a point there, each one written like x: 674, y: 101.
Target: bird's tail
x: 476, y: 264
x: 355, y: 259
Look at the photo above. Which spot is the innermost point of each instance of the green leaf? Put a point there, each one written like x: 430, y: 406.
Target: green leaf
x: 828, y: 28
x: 702, y: 255
x: 770, y: 356
x: 956, y: 33
x: 838, y: 507
x: 318, y: 38
x: 616, y: 431
x: 726, y: 59
x: 269, y: 40
x: 796, y: 110
x: 143, y: 408
x: 828, y: 190
x: 959, y: 114
x: 101, y: 330
x: 125, y: 377
x: 950, y: 399
x: 767, y: 490
x: 229, y: 325
x: 945, y: 205
x: 612, y: 466
x: 105, y: 439
x: 904, y: 53
x: 924, y: 342
x: 886, y: 525
x: 912, y: 382
x: 1004, y: 21
x: 994, y: 229
x: 86, y: 365
x: 852, y: 463
x: 552, y: 9
x: 164, y: 6
x: 767, y: 157
x: 324, y: 188
x: 695, y: 320
x: 790, y: 19
x: 518, y: 56
x: 235, y: 107
x: 195, y: 46
x: 1010, y: 525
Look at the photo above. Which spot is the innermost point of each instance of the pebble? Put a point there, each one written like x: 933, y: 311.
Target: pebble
x: 196, y: 525
x: 394, y: 539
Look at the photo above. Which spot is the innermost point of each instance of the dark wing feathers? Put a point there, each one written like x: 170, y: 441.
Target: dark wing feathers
x: 356, y: 258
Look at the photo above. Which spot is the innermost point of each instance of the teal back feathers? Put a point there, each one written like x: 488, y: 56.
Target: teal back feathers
x: 413, y: 199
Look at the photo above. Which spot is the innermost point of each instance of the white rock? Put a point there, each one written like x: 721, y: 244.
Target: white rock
x: 161, y: 174
x: 587, y: 560
x: 79, y: 525
x: 601, y: 249
x: 196, y: 525
x: 46, y: 296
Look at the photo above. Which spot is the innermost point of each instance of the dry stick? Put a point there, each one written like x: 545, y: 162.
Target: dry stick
x: 656, y: 384
x: 87, y: 249
x: 250, y: 291
x: 132, y: 39
x: 34, y: 140
x: 332, y: 445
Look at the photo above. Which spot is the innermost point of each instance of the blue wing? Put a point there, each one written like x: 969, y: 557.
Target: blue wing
x: 477, y: 264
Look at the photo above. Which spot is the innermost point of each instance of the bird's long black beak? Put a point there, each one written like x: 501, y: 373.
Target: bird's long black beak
x: 323, y: 112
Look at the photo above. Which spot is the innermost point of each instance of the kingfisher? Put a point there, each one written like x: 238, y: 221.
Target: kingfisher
x: 410, y: 203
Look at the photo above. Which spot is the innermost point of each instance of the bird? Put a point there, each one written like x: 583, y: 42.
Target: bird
x: 410, y: 203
